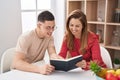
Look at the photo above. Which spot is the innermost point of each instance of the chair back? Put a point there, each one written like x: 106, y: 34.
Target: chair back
x: 6, y: 60
x: 106, y: 57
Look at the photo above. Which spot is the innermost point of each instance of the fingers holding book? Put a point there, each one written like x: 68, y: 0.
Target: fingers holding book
x: 82, y: 64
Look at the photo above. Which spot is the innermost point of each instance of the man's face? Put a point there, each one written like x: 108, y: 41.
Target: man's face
x: 46, y: 28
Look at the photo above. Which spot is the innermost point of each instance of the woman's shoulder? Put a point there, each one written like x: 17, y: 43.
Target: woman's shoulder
x: 65, y: 37
x: 92, y: 37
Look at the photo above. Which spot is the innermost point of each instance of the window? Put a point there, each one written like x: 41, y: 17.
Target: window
x: 29, y: 11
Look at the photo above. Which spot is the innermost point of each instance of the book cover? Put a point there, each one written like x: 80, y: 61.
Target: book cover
x: 67, y: 64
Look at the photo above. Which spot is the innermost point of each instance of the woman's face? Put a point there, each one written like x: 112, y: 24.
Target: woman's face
x: 75, y: 27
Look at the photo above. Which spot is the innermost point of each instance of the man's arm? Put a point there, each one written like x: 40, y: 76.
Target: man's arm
x: 52, y: 53
x: 20, y: 64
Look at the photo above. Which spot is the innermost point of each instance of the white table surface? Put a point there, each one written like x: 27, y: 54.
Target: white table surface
x: 75, y: 74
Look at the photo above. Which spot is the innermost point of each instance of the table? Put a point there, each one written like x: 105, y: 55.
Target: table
x: 75, y: 74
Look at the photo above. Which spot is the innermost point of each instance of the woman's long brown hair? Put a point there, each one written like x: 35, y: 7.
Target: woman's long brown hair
x: 77, y: 14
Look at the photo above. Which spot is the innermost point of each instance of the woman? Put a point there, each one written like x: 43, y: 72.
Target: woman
x: 79, y: 41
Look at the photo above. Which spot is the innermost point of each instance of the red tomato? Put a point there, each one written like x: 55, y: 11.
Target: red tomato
x: 110, y: 76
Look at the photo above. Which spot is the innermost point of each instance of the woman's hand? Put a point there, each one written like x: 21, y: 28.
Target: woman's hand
x: 82, y: 64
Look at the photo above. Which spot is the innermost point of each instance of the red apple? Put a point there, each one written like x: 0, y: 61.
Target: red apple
x: 111, y: 76
x: 118, y: 77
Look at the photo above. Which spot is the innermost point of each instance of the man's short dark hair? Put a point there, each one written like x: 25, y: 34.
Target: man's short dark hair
x: 45, y: 16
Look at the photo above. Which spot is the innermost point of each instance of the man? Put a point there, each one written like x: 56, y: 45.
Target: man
x: 31, y: 46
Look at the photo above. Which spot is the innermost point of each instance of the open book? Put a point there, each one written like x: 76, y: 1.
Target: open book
x: 67, y: 64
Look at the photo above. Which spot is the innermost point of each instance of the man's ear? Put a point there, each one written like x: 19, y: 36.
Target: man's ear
x: 38, y: 24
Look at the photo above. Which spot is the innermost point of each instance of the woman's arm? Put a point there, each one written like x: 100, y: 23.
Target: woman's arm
x: 96, y: 55
x: 64, y: 49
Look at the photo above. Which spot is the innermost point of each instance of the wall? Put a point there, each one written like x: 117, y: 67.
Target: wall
x: 10, y: 23
x: 59, y: 10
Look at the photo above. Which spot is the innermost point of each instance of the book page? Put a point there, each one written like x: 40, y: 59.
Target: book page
x: 67, y: 59
x: 73, y: 58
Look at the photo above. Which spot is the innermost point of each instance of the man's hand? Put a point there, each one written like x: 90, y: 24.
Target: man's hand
x: 46, y: 69
x: 55, y: 56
